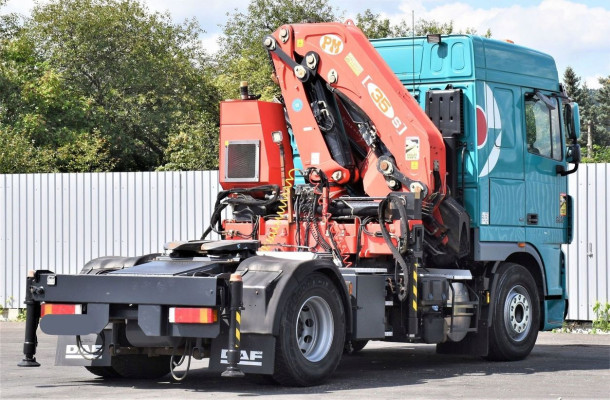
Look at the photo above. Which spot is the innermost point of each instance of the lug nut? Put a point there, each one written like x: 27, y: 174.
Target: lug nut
x: 333, y: 77
x: 284, y: 35
x: 311, y: 61
x: 416, y: 187
x: 300, y: 72
x: 386, y: 167
x: 269, y: 43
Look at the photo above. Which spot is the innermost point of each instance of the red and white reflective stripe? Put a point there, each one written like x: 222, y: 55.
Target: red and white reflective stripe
x: 60, y: 309
x: 190, y: 315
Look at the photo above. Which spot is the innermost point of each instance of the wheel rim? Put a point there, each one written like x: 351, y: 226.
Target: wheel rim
x: 314, y: 328
x: 518, y: 313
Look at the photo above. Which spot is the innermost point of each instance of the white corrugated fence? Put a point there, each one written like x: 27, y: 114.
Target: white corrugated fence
x: 61, y: 221
x: 588, y: 256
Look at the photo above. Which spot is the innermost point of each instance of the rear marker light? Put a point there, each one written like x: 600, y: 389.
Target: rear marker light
x: 60, y: 309
x: 188, y: 315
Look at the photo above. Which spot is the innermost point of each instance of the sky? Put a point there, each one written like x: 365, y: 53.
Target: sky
x: 575, y: 32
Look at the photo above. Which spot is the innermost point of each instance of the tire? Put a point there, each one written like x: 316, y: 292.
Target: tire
x: 134, y: 366
x: 515, y: 314
x: 356, y: 346
x: 312, y: 333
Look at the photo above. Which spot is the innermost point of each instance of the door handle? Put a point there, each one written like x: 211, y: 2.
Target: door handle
x: 532, y: 219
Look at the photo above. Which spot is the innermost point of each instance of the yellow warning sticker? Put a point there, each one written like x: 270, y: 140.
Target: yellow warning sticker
x: 563, y: 204
x: 414, y: 164
x: 300, y: 42
x: 412, y: 148
x: 353, y: 64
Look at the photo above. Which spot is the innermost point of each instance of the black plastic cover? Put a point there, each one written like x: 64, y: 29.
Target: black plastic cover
x: 444, y: 107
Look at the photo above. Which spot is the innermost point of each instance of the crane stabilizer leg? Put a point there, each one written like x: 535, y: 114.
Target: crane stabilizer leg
x: 31, y: 324
x: 236, y: 287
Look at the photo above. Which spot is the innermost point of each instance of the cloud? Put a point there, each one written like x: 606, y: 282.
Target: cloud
x: 210, y: 14
x: 210, y: 43
x: 593, y: 81
x: 574, y: 34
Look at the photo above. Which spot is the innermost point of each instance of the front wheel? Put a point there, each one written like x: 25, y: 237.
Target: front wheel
x: 312, y: 333
x: 516, y: 314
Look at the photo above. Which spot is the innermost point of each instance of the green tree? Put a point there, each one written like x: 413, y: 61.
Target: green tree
x: 571, y: 83
x: 594, y: 107
x: 373, y: 25
x: 193, y: 147
x: 17, y: 154
x: 602, y: 96
x: 242, y: 56
x: 105, y: 77
x: 39, y: 119
x: 425, y: 27
x: 10, y: 23
x: 601, y: 154
x: 602, y: 112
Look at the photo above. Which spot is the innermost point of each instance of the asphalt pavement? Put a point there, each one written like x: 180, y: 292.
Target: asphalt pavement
x: 561, y: 366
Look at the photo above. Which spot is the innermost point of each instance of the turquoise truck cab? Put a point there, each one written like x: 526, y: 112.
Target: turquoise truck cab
x: 512, y: 155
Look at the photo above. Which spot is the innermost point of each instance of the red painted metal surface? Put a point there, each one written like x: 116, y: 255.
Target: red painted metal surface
x: 365, y: 78
x: 254, y: 121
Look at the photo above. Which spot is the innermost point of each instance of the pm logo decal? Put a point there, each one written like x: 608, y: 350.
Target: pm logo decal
x: 331, y: 44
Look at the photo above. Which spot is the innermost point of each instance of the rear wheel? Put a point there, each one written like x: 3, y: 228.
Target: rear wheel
x: 312, y: 333
x: 516, y: 314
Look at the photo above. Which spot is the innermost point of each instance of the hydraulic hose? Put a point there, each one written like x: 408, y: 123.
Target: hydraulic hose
x: 283, y: 210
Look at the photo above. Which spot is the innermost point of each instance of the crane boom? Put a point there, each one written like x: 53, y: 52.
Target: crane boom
x: 363, y: 122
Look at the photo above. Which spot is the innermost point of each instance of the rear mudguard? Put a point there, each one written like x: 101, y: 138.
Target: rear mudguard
x: 269, y: 280
x: 267, y: 283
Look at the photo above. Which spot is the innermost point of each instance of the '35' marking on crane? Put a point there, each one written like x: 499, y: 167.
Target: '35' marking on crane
x: 383, y: 104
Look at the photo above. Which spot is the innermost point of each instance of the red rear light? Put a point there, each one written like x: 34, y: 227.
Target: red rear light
x: 189, y: 315
x: 60, y: 309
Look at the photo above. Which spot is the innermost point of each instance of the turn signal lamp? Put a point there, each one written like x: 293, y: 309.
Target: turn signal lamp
x: 60, y: 309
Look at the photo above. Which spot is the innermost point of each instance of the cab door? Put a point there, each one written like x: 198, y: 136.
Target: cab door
x: 546, y: 189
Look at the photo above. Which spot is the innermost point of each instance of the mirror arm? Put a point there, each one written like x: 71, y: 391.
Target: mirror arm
x: 559, y: 169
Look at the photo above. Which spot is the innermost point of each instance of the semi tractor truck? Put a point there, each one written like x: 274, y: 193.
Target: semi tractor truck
x: 403, y: 190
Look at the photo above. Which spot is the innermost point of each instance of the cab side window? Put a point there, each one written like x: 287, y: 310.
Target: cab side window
x: 542, y: 127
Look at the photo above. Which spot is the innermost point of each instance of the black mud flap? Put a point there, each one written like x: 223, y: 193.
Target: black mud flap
x: 69, y: 354
x: 257, y: 354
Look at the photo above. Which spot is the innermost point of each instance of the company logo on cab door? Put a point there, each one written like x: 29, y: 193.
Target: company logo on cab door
x: 331, y: 44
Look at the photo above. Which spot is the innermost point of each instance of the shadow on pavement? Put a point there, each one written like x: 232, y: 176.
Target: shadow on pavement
x: 386, y: 367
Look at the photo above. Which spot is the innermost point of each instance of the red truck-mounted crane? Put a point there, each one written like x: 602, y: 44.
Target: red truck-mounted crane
x: 378, y: 243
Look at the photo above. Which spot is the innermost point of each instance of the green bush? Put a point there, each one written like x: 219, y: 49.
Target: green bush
x: 602, y: 316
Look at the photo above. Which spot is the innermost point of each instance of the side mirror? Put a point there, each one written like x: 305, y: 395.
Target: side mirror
x: 572, y: 118
x: 572, y: 156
